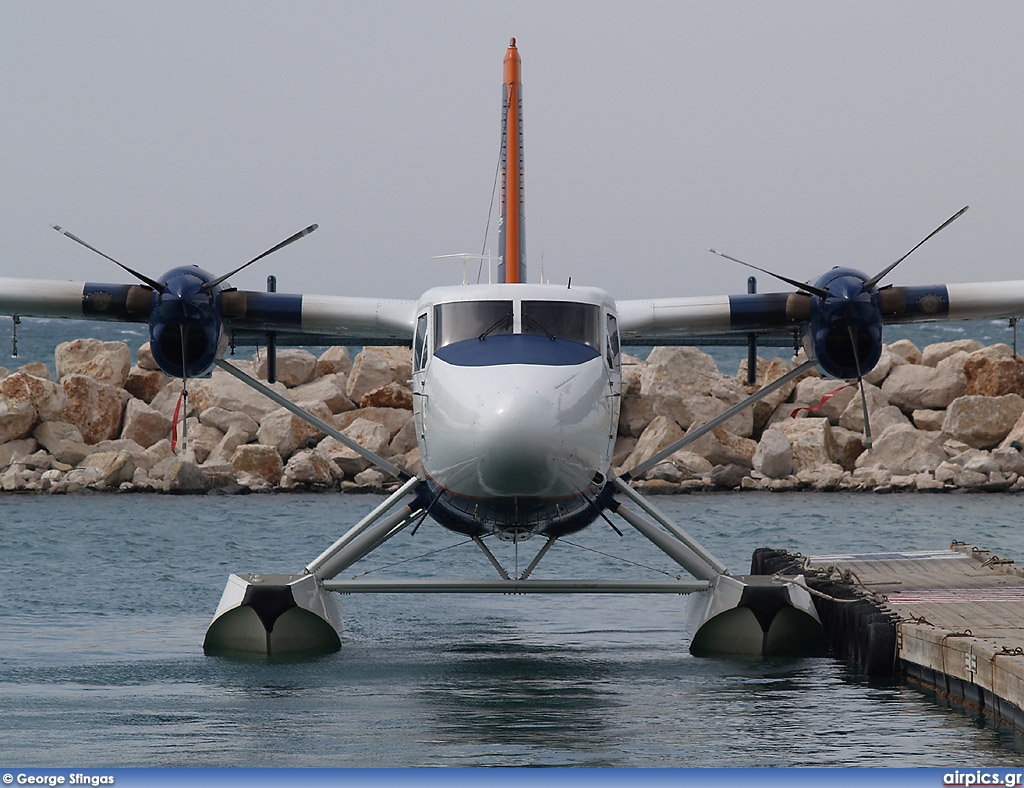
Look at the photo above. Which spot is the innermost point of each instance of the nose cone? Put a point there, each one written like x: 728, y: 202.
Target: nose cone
x: 522, y: 439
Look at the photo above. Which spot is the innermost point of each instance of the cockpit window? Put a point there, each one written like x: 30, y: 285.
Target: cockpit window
x: 565, y: 320
x: 471, y: 320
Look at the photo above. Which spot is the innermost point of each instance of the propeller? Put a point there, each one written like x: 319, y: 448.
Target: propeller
x: 860, y: 385
x: 158, y: 286
x: 870, y: 284
x: 300, y: 234
x: 821, y: 292
x: 208, y: 287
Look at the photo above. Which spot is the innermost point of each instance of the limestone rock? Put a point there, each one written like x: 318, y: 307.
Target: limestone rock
x: 96, y: 408
x: 63, y: 441
x: 17, y: 418
x: 830, y: 397
x: 849, y: 446
x: 906, y: 350
x: 881, y: 370
x: 186, y: 477
x: 925, y: 419
x: 334, y: 361
x: 145, y: 358
x: 377, y: 366
x: 729, y: 476
x: 200, y: 439
x: 391, y: 395
x: 690, y: 464
x: 328, y: 389
x: 774, y: 456
x: 1009, y: 460
x: 370, y: 478
x: 115, y: 467
x: 912, y: 387
x: 225, y: 449
x: 404, y: 440
x: 811, y: 442
x: 685, y: 385
x: 287, y: 433
x: 982, y: 422
x: 635, y: 413
x: 48, y: 398
x: 989, y: 376
x: 295, y: 366
x: 36, y: 369
x: 852, y: 417
x: 222, y: 390
x: 106, y: 362
x: 661, y: 432
x: 976, y: 460
x: 308, y: 468
x: 145, y: 384
x: 721, y: 447
x: 143, y: 424
x: 224, y: 420
x: 259, y: 461
x: 901, y: 449
x: 368, y: 434
x: 768, y: 372
x: 393, y: 419
x: 934, y: 353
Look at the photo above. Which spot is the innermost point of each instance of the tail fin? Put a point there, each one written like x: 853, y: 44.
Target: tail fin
x: 511, y: 224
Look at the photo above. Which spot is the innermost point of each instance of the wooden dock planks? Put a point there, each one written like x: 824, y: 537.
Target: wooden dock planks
x: 958, y: 616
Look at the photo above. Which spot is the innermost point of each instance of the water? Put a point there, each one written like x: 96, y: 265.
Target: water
x: 104, y: 601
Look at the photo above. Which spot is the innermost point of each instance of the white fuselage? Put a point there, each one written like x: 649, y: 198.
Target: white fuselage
x: 516, y: 399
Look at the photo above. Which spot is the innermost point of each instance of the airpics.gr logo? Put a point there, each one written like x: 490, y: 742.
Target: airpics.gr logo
x: 979, y: 777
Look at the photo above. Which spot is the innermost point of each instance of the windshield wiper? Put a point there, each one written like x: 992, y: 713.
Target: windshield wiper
x: 501, y: 322
x: 529, y: 320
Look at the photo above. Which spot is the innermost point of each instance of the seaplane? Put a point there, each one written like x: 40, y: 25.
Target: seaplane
x: 516, y: 392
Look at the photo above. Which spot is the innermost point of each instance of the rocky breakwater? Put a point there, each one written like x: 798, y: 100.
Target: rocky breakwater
x: 106, y: 425
x: 948, y: 417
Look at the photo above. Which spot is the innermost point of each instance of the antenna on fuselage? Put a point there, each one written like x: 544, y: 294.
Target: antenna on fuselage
x: 466, y: 256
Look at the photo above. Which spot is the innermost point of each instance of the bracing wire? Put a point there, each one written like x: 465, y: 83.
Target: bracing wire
x: 490, y: 210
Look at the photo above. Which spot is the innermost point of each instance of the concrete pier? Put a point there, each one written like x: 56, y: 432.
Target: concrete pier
x: 951, y: 620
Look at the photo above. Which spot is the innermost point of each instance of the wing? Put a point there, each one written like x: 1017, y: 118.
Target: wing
x: 191, y: 323
x: 842, y: 328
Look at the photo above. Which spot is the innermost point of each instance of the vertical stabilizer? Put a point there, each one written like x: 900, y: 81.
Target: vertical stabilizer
x: 511, y: 230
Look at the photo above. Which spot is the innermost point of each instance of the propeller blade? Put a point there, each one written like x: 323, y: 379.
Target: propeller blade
x: 158, y: 286
x: 818, y: 291
x: 300, y: 234
x: 879, y: 276
x: 860, y: 382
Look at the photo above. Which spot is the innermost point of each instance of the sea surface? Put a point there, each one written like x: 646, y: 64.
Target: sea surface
x: 105, y: 599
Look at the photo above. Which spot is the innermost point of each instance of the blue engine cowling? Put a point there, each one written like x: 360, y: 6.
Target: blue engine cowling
x: 844, y: 332
x: 186, y: 327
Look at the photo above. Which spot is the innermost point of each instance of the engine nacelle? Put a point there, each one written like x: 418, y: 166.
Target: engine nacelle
x: 844, y: 330
x: 186, y: 326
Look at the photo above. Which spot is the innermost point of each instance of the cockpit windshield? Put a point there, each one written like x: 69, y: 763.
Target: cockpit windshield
x: 461, y: 320
x: 563, y: 319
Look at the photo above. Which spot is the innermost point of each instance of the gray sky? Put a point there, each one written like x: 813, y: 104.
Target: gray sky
x: 795, y: 135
